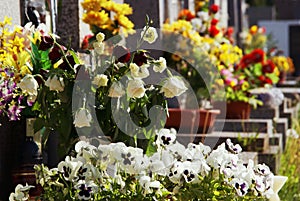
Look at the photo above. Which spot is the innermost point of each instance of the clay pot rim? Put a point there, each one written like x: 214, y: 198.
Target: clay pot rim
x: 214, y: 111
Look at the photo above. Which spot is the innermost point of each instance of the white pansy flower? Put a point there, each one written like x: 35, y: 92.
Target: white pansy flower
x: 135, y: 88
x: 83, y: 118
x: 100, y: 37
x: 21, y: 193
x: 100, y: 80
x: 240, y: 186
x: 29, y: 85
x: 233, y: 148
x: 69, y: 168
x: 149, y: 34
x: 86, y: 189
x: 165, y: 137
x: 139, y: 72
x: 116, y: 90
x: 55, y: 83
x: 173, y: 86
x: 147, y: 184
x: 160, y: 65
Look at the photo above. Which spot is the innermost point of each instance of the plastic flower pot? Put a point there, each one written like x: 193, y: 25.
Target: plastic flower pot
x: 191, y: 120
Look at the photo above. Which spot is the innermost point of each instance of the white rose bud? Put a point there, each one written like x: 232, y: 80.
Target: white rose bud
x: 100, y: 37
x: 139, y: 72
x: 98, y: 47
x: 83, y: 118
x: 29, y: 85
x: 116, y: 90
x: 150, y: 35
x: 173, y: 86
x: 135, y: 88
x: 100, y: 80
x: 161, y: 65
x: 55, y: 83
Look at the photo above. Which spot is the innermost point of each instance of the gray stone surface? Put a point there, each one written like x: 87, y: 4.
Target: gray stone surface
x: 11, y: 8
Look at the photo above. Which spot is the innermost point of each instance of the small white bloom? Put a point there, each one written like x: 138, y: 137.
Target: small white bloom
x: 135, y: 88
x: 233, y: 148
x: 139, y: 72
x: 160, y: 65
x: 116, y: 90
x: 292, y: 133
x: 21, y: 193
x: 98, y: 47
x: 240, y: 186
x: 100, y: 37
x: 83, y: 118
x: 173, y: 86
x: 204, y: 16
x: 100, y: 80
x: 165, y: 137
x: 29, y: 85
x: 55, y: 83
x: 150, y: 34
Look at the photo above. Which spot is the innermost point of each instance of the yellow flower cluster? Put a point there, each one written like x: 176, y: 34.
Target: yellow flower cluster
x: 226, y: 54
x: 199, y: 4
x: 98, y: 12
x: 282, y: 63
x: 13, y: 53
x: 184, y: 28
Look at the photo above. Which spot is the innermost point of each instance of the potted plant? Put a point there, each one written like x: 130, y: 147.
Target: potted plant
x: 254, y: 70
x: 116, y: 171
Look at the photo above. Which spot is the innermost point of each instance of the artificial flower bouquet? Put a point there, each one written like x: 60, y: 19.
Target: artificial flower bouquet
x: 118, y: 172
x: 125, y: 92
x: 19, y: 87
x: 98, y: 14
x: 253, y: 38
x: 252, y: 71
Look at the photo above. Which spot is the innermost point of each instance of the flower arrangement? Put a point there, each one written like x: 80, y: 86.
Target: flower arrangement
x: 18, y: 85
x: 254, y: 38
x: 97, y: 13
x: 119, y: 172
x: 252, y: 71
x: 130, y: 87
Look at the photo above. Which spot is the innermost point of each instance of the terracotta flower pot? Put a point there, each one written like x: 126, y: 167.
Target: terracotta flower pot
x: 234, y: 109
x: 191, y: 120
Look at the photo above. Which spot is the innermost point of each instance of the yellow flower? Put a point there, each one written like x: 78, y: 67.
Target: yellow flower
x: 245, y: 86
x: 220, y: 82
x: 253, y: 29
x: 96, y: 18
x: 92, y: 5
x: 125, y: 23
x: 118, y: 8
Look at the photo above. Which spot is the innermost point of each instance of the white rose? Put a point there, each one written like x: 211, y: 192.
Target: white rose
x: 139, y: 72
x: 100, y: 37
x: 29, y: 85
x: 83, y: 118
x: 116, y: 90
x: 161, y: 65
x: 150, y: 35
x: 55, y: 83
x: 100, y: 80
x: 173, y: 86
x: 135, y: 88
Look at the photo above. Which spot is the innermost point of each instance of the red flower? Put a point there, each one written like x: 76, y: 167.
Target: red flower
x: 214, y: 22
x: 214, y: 8
x: 258, y: 55
x: 268, y: 67
x: 140, y: 58
x: 46, y: 43
x: 213, y: 31
x: 85, y: 42
x: 186, y: 14
x: 121, y: 53
x: 255, y: 56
